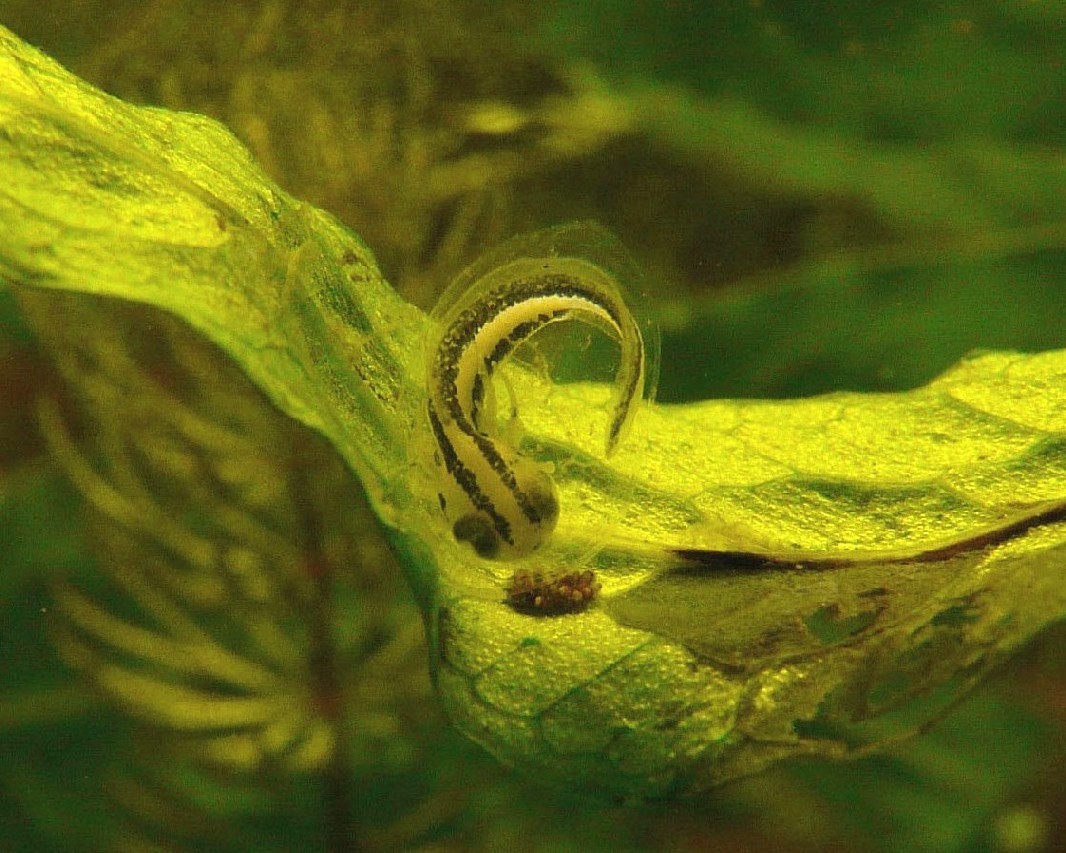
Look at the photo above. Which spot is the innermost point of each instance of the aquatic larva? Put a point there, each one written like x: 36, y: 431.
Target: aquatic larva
x: 501, y: 503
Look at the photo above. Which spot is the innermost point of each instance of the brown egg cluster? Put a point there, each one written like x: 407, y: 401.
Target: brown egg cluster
x: 539, y: 594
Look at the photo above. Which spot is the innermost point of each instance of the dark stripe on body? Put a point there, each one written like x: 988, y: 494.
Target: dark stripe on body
x: 465, y: 327
x: 466, y: 479
x: 477, y: 398
x: 460, y: 336
x: 519, y: 334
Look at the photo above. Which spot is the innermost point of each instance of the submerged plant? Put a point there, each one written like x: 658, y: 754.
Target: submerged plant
x: 765, y: 580
x: 248, y: 615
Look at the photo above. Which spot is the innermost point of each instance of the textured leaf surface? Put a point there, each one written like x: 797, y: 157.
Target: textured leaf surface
x: 851, y: 552
x: 777, y: 577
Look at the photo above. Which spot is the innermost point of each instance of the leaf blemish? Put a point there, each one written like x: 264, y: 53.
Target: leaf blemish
x: 536, y: 593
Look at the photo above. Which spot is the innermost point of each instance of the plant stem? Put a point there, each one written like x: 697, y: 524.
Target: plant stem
x: 340, y: 835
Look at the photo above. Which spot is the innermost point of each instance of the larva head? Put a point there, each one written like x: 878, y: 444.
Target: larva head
x: 518, y: 520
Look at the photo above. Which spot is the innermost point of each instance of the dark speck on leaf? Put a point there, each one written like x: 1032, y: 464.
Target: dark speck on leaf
x: 539, y: 594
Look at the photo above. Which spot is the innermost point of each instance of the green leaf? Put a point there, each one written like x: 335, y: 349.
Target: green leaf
x: 778, y: 579
x: 849, y: 552
x: 168, y: 209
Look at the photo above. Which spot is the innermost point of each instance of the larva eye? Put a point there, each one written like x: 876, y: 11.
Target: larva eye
x: 476, y: 529
x: 538, y: 508
x: 504, y: 505
x: 544, y: 502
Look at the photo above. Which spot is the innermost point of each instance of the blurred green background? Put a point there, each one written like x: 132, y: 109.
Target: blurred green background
x: 824, y: 196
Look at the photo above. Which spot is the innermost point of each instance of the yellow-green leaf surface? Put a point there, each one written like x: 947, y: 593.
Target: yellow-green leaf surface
x: 777, y: 578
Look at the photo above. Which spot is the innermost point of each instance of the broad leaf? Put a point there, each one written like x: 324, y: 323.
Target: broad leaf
x: 776, y: 577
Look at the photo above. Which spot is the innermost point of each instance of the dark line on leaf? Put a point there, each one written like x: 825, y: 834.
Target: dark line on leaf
x: 701, y: 561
